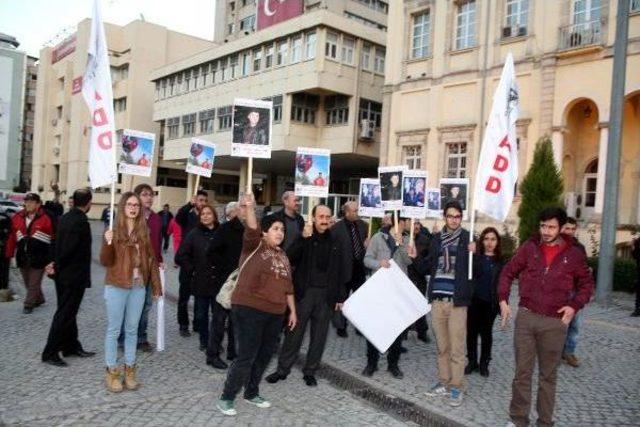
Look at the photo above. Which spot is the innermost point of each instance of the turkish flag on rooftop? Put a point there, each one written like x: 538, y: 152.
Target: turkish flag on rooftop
x: 271, y: 12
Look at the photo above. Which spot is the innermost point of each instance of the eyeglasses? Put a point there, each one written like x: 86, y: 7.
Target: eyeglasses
x: 454, y: 217
x: 132, y: 205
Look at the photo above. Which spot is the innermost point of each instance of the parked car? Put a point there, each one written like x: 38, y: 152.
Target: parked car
x: 9, y: 207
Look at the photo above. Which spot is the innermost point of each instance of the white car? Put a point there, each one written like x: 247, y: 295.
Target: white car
x: 9, y: 207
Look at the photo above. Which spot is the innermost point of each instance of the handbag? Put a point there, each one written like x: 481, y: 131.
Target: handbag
x: 224, y: 296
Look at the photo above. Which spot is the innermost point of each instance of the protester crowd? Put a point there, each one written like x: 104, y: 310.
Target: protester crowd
x: 261, y: 281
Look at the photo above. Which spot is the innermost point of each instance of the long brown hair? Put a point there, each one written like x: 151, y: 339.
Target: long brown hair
x: 140, y: 232
x: 498, y: 251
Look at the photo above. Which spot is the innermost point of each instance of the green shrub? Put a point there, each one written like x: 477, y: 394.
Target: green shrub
x: 625, y: 273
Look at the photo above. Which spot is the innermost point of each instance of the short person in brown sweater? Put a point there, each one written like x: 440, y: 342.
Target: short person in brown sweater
x: 263, y: 293
x: 131, y: 267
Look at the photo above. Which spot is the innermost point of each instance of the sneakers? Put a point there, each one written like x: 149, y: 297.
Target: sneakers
x: 436, y: 391
x: 455, y: 399
x: 259, y: 401
x: 227, y: 407
x: 571, y: 359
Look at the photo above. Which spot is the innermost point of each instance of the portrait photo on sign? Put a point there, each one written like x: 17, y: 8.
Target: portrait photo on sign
x: 391, y: 186
x: 201, y: 157
x: 413, y: 194
x: 434, y: 209
x: 370, y: 202
x: 455, y: 190
x: 251, y: 128
x: 136, y: 153
x: 312, y: 169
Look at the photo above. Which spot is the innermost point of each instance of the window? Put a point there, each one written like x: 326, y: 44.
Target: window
x: 379, y: 5
x: 378, y: 62
x: 235, y: 66
x: 196, y: 78
x: 421, y: 34
x: 246, y: 63
x: 310, y: 48
x: 178, y: 88
x: 586, y: 11
x: 157, y: 92
x: 248, y: 23
x: 171, y: 85
x: 119, y: 73
x: 413, y: 156
x: 365, y: 21
x: 205, y: 74
x: 120, y: 104
x: 268, y: 57
x: 257, y: 60
x: 466, y: 25
x: 173, y: 127
x: 456, y: 166
x: 634, y: 6
x: 296, y: 49
x: 230, y: 28
x: 214, y: 72
x: 59, y: 111
x: 186, y: 83
x: 337, y: 108
x: 304, y: 107
x: 225, y: 71
x: 331, y: 46
x: 348, y: 46
x: 164, y: 88
x: 277, y: 107
x: 206, y: 120
x: 188, y: 124
x: 590, y: 184
x: 516, y: 18
x: 372, y: 111
x: 281, y: 56
x: 224, y: 117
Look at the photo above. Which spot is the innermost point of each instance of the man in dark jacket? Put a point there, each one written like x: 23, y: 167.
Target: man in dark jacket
x: 319, y: 290
x: 554, y: 283
x: 292, y: 220
x: 636, y: 255
x: 224, y: 251
x: 166, y: 216
x: 72, y: 274
x: 422, y: 240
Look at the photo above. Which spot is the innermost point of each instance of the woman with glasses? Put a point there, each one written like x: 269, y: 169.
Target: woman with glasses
x: 131, y: 267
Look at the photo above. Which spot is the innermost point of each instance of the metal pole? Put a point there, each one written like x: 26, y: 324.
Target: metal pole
x: 612, y: 176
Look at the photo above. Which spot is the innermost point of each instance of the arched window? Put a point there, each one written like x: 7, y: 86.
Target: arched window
x: 590, y: 184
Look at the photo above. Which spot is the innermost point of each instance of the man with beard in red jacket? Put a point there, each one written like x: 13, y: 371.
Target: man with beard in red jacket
x: 554, y: 282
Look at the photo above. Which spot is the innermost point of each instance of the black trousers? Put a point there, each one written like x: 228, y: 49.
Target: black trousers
x: 184, y: 293
x: 202, y: 307
x: 480, y: 317
x: 312, y: 309
x: 257, y: 334
x: 4, y: 272
x: 358, y: 277
x: 63, y: 335
x: 165, y: 239
x: 393, y: 354
x: 220, y: 320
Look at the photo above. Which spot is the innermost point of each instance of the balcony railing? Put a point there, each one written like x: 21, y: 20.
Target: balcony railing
x: 581, y: 35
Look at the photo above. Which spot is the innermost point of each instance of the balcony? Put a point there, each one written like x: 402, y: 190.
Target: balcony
x: 578, y: 36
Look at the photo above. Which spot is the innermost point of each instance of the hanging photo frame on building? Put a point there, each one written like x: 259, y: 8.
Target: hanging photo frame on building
x: 434, y: 209
x: 251, y: 125
x: 391, y: 186
x: 201, y: 157
x: 369, y: 197
x: 455, y: 190
x: 414, y: 186
x: 136, y: 152
x: 312, y: 169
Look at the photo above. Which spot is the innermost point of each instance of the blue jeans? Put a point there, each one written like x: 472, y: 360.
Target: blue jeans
x: 572, y: 334
x: 144, y: 319
x: 122, y: 304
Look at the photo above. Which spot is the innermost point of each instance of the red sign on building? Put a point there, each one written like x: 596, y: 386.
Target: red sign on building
x: 76, y: 85
x: 63, y: 49
x: 271, y: 12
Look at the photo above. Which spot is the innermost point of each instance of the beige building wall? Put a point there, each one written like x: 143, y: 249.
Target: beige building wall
x: 441, y: 97
x: 60, y: 147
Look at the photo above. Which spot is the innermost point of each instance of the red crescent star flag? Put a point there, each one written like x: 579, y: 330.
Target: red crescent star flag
x: 97, y: 92
x: 271, y: 12
x: 497, y: 171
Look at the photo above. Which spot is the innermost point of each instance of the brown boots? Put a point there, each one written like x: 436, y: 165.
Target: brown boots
x: 113, y: 379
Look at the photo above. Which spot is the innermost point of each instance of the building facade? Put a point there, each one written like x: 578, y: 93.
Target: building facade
x: 324, y: 72
x: 26, y: 158
x: 62, y: 120
x: 445, y: 66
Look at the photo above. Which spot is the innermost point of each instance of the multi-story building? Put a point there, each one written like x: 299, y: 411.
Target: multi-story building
x: 12, y: 93
x: 26, y: 158
x: 324, y: 72
x: 62, y: 120
x: 445, y: 66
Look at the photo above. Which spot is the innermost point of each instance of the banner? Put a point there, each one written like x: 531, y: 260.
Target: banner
x: 414, y: 188
x: 455, y: 190
x: 271, y: 12
x: 313, y: 166
x: 251, y: 128
x: 497, y: 171
x: 202, y: 154
x: 391, y: 186
x: 434, y: 209
x: 136, y: 154
x: 96, y: 90
x: 370, y: 202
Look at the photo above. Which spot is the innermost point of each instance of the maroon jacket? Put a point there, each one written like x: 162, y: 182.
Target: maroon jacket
x: 567, y: 281
x: 155, y: 234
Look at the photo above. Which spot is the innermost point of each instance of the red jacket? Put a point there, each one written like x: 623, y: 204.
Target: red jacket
x: 567, y: 281
x: 175, y: 230
x: 154, y: 222
x: 32, y: 246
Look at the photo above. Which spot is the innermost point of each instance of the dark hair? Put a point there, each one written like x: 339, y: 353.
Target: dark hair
x: 141, y: 187
x: 553, y: 213
x: 82, y: 197
x: 215, y: 214
x: 166, y: 205
x: 33, y: 197
x: 571, y: 220
x: 498, y: 251
x: 452, y: 205
x: 202, y: 193
x: 267, y: 221
x: 313, y: 211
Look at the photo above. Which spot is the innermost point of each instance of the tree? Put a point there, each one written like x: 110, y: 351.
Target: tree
x: 541, y: 188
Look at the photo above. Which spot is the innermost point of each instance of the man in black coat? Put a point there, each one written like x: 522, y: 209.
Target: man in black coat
x: 422, y: 241
x: 72, y: 274
x: 319, y: 290
x: 292, y: 220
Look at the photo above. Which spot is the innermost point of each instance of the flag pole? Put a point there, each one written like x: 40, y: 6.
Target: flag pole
x: 471, y: 237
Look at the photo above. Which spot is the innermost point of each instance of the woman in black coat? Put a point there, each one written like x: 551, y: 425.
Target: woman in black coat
x: 199, y: 268
x: 484, y: 304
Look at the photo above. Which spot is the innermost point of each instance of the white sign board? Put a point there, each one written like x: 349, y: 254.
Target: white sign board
x: 414, y: 187
x: 136, y: 152
x: 252, y: 122
x: 201, y: 156
x: 370, y: 203
x: 313, y: 166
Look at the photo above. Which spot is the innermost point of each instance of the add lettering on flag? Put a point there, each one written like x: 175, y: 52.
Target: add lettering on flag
x: 97, y: 92
x: 498, y: 165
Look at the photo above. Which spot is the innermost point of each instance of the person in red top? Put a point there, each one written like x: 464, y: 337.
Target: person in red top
x: 319, y: 181
x: 554, y: 282
x: 30, y: 240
